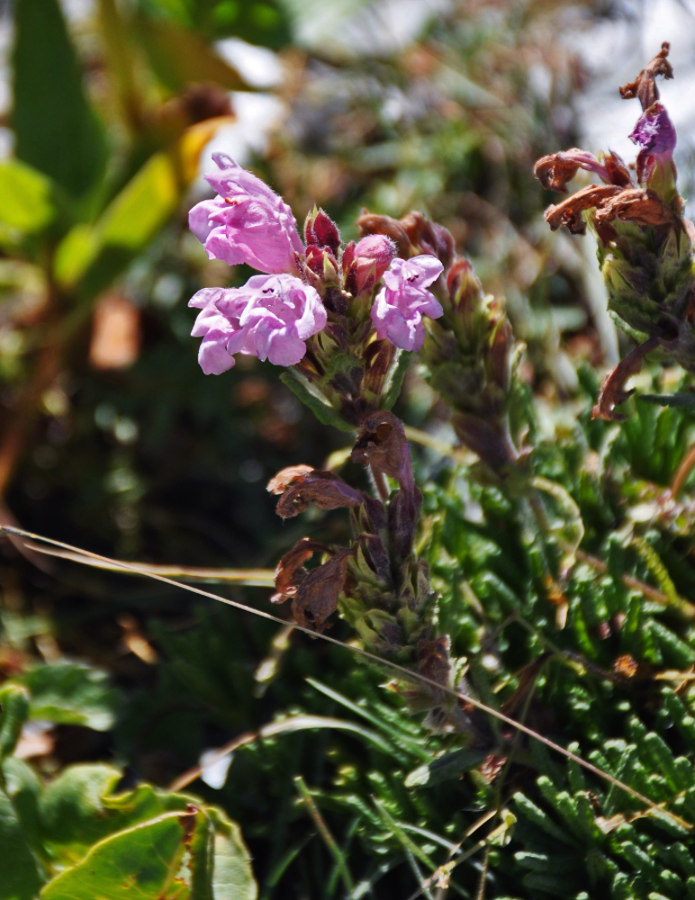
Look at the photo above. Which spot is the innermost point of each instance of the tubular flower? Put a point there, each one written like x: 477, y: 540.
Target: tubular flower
x: 400, y: 305
x: 270, y: 317
x: 655, y: 135
x: 247, y: 222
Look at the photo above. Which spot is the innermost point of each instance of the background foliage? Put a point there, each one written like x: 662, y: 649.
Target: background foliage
x: 113, y: 687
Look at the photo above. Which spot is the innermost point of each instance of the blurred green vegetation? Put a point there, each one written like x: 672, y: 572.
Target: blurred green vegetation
x: 111, y: 438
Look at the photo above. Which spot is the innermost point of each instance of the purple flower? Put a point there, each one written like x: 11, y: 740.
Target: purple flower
x: 400, y: 305
x: 247, y: 222
x: 271, y: 317
x: 655, y: 135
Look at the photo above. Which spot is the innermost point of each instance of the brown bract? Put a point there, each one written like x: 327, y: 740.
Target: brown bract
x: 413, y: 234
x: 371, y: 223
x: 302, y: 485
x: 639, y: 205
x: 279, y: 483
x: 569, y: 212
x: 642, y: 206
x: 644, y: 86
x: 314, y: 592
x: 289, y: 571
x: 381, y: 444
x: 433, y: 659
x: 613, y: 392
x: 556, y: 169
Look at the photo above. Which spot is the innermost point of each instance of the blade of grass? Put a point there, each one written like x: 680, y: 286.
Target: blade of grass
x: 325, y: 833
x: 294, y: 723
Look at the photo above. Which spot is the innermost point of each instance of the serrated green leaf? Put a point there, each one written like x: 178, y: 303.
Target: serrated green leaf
x: 56, y: 130
x: 71, y: 693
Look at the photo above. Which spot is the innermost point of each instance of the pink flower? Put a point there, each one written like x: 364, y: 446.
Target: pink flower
x: 247, y: 222
x: 400, y: 305
x: 271, y: 317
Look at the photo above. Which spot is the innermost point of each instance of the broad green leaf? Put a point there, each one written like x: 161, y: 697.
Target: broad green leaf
x: 231, y: 873
x: 56, y: 130
x: 143, y: 205
x: 20, y: 876
x: 187, y: 852
x: 88, y: 259
x: 140, y: 863
x: 14, y: 708
x: 27, y: 202
x: 71, y: 693
x: 72, y: 810
x: 78, y: 812
x: 75, y: 254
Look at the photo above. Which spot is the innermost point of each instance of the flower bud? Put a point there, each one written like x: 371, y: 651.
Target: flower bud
x: 366, y: 262
x: 321, y: 230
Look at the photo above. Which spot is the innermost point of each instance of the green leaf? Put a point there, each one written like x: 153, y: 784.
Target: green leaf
x: 179, y: 851
x: 446, y: 767
x: 679, y: 401
x: 231, y: 870
x: 56, y: 130
x: 140, y: 863
x: 73, y: 813
x: 89, y: 259
x: 24, y: 788
x: 21, y: 878
x: 393, y: 389
x: 14, y: 709
x: 27, y: 202
x: 324, y: 413
x: 70, y: 693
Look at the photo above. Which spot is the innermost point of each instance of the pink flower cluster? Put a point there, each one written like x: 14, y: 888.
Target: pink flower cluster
x: 274, y: 314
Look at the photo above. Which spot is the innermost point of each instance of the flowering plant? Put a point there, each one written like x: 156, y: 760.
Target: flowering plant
x: 342, y: 319
x: 315, y: 310
x: 645, y: 245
